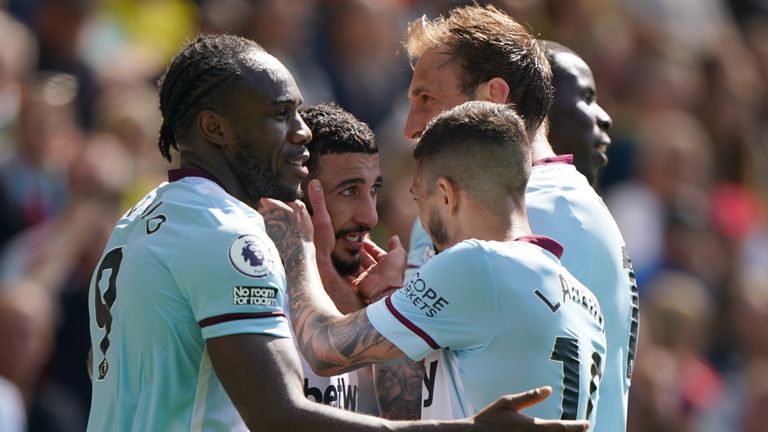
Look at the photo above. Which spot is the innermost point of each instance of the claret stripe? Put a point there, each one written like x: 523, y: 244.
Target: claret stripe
x: 238, y: 316
x: 411, y: 326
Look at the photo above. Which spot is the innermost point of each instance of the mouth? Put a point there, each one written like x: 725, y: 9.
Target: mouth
x: 297, y: 164
x: 353, y: 240
x: 601, y: 147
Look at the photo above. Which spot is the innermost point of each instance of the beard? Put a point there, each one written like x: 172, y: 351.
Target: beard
x: 346, y: 268
x: 437, y: 229
x: 259, y: 180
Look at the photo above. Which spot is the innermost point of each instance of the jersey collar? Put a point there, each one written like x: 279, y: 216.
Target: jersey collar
x: 180, y: 173
x: 561, y: 159
x: 544, y: 242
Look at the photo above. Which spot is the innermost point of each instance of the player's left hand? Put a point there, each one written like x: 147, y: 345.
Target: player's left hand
x: 383, y: 270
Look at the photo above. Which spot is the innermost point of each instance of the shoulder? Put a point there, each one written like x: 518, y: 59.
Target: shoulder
x: 205, y: 204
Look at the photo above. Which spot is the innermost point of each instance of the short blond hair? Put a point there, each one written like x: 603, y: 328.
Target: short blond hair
x: 489, y: 43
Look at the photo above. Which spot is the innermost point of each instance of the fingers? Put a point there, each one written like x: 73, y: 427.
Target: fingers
x: 324, y: 236
x: 373, y: 250
x: 317, y: 199
x: 521, y: 401
x: 394, y: 243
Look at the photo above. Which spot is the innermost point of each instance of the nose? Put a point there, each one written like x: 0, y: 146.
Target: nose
x: 414, y: 125
x: 300, y: 134
x: 604, y: 121
x: 365, y: 213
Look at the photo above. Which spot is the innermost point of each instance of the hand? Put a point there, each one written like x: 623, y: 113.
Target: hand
x: 504, y: 414
x: 383, y: 271
x: 324, y: 238
x: 287, y: 224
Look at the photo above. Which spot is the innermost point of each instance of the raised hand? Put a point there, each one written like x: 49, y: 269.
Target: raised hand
x: 383, y: 271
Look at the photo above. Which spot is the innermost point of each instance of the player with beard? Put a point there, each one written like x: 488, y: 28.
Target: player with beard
x: 481, y: 53
x: 344, y: 156
x: 186, y: 305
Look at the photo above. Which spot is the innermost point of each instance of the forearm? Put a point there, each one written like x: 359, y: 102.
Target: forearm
x: 317, y: 417
x: 330, y: 342
x: 270, y: 397
x: 398, y: 388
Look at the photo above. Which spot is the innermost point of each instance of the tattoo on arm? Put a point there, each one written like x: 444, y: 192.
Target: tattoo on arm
x: 398, y: 388
x: 330, y: 342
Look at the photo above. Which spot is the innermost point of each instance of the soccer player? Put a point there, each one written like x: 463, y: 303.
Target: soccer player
x: 480, y: 53
x: 494, y: 287
x: 343, y: 156
x: 578, y: 124
x: 186, y: 304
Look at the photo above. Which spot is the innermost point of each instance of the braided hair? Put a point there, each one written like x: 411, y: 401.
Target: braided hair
x: 201, y: 76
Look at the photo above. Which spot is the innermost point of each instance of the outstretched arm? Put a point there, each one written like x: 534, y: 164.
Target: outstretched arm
x: 270, y: 397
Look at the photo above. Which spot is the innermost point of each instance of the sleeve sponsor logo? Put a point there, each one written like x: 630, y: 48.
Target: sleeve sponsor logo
x: 250, y: 256
x: 250, y: 295
x: 424, y: 297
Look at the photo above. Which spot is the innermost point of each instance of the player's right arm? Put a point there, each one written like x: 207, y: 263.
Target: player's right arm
x: 262, y: 376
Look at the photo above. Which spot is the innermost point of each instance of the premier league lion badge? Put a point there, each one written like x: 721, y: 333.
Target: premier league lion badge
x: 250, y: 256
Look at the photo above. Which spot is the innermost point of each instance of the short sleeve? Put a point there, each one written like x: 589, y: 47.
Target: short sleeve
x: 451, y: 302
x: 234, y: 281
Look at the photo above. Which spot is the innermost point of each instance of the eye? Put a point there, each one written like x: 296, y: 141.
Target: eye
x: 283, y: 114
x: 588, y: 96
x: 375, y: 190
x: 425, y: 98
x: 348, y: 192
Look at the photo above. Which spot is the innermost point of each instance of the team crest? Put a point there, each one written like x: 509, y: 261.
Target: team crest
x: 249, y: 255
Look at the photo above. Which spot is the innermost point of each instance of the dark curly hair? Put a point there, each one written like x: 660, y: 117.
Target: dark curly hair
x: 335, y: 131
x: 201, y: 76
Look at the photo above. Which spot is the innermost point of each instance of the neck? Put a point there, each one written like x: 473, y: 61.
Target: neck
x: 540, y: 147
x: 493, y: 224
x: 219, y: 169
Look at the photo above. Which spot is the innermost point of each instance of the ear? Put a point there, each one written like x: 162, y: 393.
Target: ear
x: 448, y: 194
x: 214, y: 128
x: 494, y: 90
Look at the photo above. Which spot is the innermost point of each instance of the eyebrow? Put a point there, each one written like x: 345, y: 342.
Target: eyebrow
x: 418, y: 90
x: 285, y: 99
x: 356, y: 181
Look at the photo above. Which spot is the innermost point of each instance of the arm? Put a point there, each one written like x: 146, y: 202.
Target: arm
x: 330, y: 342
x: 269, y: 397
x: 398, y: 388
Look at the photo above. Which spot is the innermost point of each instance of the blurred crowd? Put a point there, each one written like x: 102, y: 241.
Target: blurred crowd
x: 684, y: 80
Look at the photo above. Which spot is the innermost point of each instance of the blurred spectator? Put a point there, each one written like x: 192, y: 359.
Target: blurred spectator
x: 285, y: 28
x: 744, y: 405
x: 58, y: 25
x: 18, y: 59
x: 673, y: 164
x: 34, y: 178
x: 362, y: 55
x: 673, y: 381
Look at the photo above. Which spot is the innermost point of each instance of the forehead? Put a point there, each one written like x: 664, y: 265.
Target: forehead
x: 436, y: 70
x: 268, y: 79
x: 333, y: 169
x: 572, y: 70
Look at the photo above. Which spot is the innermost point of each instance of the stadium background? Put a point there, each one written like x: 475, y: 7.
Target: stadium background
x: 684, y: 80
